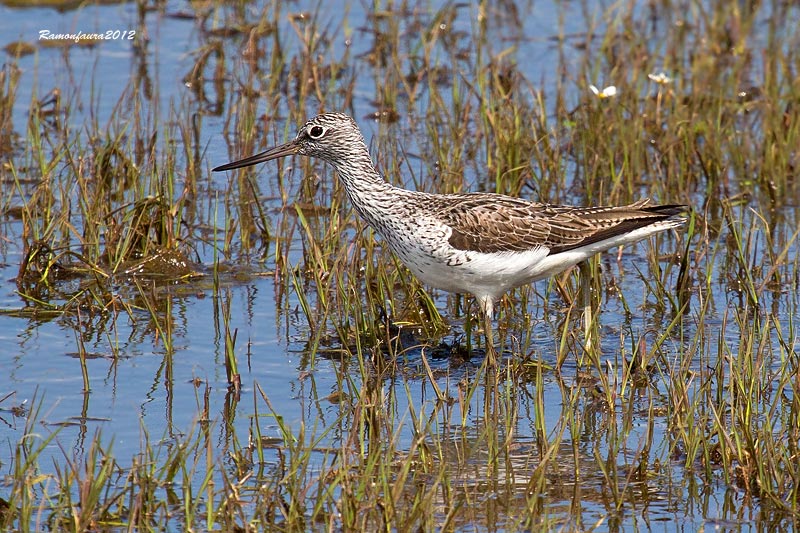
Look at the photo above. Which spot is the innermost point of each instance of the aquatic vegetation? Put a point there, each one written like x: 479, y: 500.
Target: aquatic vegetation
x: 239, y: 352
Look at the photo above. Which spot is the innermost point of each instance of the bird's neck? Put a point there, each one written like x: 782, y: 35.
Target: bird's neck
x: 370, y: 194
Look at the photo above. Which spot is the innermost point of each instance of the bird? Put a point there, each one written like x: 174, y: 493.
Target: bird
x: 480, y: 243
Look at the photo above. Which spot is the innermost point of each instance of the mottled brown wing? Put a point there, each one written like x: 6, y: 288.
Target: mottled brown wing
x: 493, y: 223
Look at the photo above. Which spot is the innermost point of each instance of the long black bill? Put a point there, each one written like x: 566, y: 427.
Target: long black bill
x: 289, y: 148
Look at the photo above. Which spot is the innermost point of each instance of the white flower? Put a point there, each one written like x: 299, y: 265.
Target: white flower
x: 607, y: 92
x: 661, y: 78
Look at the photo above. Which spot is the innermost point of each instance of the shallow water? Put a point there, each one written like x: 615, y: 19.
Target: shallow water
x: 140, y: 386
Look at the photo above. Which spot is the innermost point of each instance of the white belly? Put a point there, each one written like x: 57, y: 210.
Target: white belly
x: 476, y: 273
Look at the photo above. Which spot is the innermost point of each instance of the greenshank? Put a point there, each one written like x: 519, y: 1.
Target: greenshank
x: 479, y: 243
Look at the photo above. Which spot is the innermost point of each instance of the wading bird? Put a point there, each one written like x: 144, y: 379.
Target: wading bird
x: 479, y: 243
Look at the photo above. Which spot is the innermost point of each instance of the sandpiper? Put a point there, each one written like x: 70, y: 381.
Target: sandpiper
x: 479, y: 243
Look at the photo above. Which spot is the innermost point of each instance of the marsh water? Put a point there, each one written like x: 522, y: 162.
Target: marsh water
x: 156, y: 363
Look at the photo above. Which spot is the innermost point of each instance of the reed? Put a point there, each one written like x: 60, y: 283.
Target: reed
x: 690, y: 388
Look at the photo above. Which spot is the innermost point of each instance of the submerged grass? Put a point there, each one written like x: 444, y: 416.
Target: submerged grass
x: 694, y: 390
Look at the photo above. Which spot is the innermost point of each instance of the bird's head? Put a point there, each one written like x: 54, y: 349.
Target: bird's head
x: 333, y: 137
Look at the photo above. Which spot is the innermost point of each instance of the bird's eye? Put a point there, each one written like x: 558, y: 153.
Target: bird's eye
x: 315, y: 132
